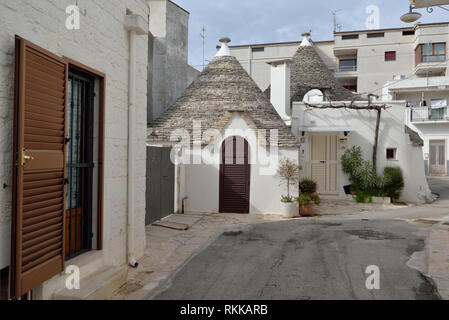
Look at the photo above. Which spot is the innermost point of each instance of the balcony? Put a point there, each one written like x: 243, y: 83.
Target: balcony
x: 429, y: 115
x: 430, y: 59
x: 431, y: 68
x: 346, y: 71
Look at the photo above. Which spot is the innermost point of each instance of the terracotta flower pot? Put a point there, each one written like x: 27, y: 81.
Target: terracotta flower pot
x: 307, y: 210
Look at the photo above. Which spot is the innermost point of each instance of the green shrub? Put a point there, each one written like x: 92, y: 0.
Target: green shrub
x: 365, y: 178
x: 351, y: 160
x: 362, y: 196
x: 304, y: 199
x: 316, y: 198
x: 307, y: 186
x: 392, y: 182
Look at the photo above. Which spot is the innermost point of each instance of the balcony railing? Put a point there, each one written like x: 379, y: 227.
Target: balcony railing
x: 347, y: 68
x: 429, y: 114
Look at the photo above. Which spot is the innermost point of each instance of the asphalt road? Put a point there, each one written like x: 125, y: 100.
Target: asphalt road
x: 440, y: 186
x: 306, y: 259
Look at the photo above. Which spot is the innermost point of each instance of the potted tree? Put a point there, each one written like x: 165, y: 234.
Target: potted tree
x: 288, y: 173
x: 308, y: 197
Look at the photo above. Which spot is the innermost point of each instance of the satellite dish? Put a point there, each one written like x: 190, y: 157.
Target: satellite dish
x: 313, y: 96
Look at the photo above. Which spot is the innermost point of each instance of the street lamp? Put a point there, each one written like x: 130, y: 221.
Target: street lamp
x: 411, y: 16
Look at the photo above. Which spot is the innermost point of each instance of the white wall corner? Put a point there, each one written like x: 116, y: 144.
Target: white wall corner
x: 134, y: 22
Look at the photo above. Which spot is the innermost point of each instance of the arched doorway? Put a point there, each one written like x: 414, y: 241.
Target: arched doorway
x: 234, y: 176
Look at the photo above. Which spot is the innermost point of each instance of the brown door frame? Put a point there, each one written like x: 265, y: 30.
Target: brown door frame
x: 73, y: 64
x: 222, y: 208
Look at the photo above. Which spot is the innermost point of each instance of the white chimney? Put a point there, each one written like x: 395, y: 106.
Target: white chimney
x: 224, y: 50
x: 280, y: 88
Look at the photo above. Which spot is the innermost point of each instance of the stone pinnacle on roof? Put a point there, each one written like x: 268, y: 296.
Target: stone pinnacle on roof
x: 305, y: 40
x: 308, y: 71
x: 224, y: 50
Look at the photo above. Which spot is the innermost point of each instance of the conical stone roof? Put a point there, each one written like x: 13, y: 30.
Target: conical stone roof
x: 223, y: 88
x: 308, y: 71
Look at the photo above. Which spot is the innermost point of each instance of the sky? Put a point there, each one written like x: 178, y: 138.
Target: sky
x: 265, y: 21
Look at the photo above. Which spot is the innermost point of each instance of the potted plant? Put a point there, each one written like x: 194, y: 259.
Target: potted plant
x: 308, y: 197
x: 288, y: 173
x: 306, y: 204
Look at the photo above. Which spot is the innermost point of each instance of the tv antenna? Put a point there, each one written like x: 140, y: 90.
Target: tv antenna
x: 203, y: 36
x: 337, y: 26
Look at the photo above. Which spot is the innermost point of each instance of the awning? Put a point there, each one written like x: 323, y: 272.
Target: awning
x: 326, y: 129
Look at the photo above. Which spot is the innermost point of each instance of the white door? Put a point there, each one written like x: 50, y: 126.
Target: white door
x: 437, y: 159
x: 324, y: 162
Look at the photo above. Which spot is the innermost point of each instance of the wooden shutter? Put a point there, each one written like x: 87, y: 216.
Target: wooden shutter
x: 235, y: 176
x: 38, y: 191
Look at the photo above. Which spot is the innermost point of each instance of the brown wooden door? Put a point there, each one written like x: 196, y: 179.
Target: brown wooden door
x: 234, y: 176
x: 39, y: 167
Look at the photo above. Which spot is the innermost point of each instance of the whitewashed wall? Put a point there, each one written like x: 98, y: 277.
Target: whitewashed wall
x: 392, y: 135
x: 200, y: 182
x: 101, y: 43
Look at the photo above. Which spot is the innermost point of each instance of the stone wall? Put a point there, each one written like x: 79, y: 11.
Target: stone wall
x: 101, y: 43
x: 169, y: 72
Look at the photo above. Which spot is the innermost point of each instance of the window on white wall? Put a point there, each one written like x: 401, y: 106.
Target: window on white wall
x: 392, y: 153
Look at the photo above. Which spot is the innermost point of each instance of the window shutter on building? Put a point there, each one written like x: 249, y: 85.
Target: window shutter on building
x: 39, y: 167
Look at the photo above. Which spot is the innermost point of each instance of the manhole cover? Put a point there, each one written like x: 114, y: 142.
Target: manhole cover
x: 373, y: 235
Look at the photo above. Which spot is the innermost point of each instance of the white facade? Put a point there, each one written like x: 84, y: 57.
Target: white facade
x: 101, y: 44
x: 428, y: 114
x: 357, y: 128
x: 371, y: 70
x: 200, y: 182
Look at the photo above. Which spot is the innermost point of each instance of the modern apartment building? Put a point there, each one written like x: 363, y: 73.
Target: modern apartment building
x: 399, y: 63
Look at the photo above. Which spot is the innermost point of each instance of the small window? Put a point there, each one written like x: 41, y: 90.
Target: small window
x: 390, y: 56
x: 408, y: 33
x: 258, y: 49
x: 392, y: 154
x: 376, y: 35
x: 349, y: 36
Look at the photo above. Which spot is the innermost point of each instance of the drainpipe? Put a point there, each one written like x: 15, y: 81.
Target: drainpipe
x: 136, y: 25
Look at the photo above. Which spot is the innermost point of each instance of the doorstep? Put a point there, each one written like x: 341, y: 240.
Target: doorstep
x: 98, y: 286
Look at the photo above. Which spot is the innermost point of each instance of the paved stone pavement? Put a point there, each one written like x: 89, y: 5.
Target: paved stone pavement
x: 169, y: 251
x: 305, y: 260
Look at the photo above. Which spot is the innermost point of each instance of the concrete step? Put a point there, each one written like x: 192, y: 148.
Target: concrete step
x: 98, y: 286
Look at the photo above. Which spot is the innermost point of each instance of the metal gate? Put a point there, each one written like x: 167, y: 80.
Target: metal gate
x: 160, y: 186
x: 79, y: 165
